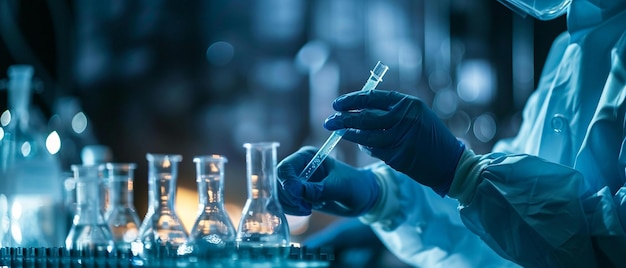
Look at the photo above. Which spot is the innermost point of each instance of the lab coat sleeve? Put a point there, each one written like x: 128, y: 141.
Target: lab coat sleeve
x: 423, y: 229
x: 539, y: 213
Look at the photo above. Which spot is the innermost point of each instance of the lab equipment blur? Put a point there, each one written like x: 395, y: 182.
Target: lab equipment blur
x: 89, y: 230
x: 376, y: 75
x: 161, y: 227
x: 213, y: 233
x: 121, y: 215
x: 31, y: 194
x: 263, y: 222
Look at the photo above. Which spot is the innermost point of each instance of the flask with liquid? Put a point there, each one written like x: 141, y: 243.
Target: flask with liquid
x: 263, y: 222
x: 31, y: 184
x: 161, y: 232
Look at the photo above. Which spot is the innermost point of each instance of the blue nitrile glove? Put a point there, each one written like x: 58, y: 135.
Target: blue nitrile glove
x: 402, y: 131
x: 335, y: 187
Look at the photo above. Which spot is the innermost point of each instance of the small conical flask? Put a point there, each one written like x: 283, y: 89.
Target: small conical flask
x: 121, y: 215
x: 89, y: 231
x: 161, y: 231
x: 263, y: 222
x: 213, y: 232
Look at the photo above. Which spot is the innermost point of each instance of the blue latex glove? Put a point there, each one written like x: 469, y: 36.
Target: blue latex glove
x: 402, y: 131
x: 335, y: 187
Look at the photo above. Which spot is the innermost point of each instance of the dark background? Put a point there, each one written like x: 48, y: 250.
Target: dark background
x: 203, y: 77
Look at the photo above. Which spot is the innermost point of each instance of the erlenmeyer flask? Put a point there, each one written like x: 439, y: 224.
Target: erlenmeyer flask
x: 161, y: 231
x: 213, y: 232
x: 263, y: 223
x: 89, y: 230
x: 121, y: 215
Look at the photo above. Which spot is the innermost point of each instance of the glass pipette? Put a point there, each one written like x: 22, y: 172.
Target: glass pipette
x: 376, y: 75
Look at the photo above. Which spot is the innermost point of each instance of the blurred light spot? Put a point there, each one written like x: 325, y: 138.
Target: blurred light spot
x: 53, y: 142
x: 16, y: 232
x: 445, y: 103
x: 312, y: 56
x: 409, y: 55
x: 279, y: 74
x: 187, y: 206
x: 79, y: 122
x: 280, y: 20
x: 93, y: 59
x: 5, y: 118
x: 220, y: 53
x: 16, y: 210
x: 1, y: 133
x: 484, y: 127
x: 135, y: 62
x: 339, y: 22
x: 460, y: 123
x: 476, y: 81
x: 439, y: 79
x: 25, y: 149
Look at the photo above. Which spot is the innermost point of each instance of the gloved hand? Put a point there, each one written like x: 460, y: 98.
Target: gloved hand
x: 402, y: 131
x: 334, y: 188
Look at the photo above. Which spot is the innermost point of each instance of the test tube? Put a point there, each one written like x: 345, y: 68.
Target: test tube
x: 376, y: 75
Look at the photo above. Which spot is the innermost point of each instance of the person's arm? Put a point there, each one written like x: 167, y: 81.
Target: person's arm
x: 423, y: 229
x: 538, y: 213
x: 541, y: 213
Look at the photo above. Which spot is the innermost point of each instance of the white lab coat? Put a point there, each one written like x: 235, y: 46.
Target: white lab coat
x: 554, y: 195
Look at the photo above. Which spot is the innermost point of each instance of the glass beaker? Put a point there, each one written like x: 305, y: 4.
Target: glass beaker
x: 121, y: 215
x: 89, y: 230
x: 213, y: 231
x: 161, y: 231
x: 263, y: 222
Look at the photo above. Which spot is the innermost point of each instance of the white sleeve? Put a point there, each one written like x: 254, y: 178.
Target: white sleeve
x: 539, y: 213
x: 422, y: 228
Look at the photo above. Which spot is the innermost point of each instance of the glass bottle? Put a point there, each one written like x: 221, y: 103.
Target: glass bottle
x: 213, y: 231
x: 161, y: 231
x: 31, y: 178
x: 121, y: 215
x: 263, y: 223
x: 89, y: 230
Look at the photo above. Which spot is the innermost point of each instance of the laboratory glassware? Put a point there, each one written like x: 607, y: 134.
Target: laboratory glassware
x: 161, y: 230
x: 121, y: 215
x: 263, y: 222
x: 97, y: 154
x: 376, y: 76
x: 89, y: 230
x: 213, y: 233
x: 31, y: 179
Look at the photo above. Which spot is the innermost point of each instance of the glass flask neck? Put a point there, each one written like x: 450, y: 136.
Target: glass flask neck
x: 120, y: 184
x: 210, y: 179
x: 88, y: 194
x: 261, y: 169
x: 19, y: 87
x: 162, y: 176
